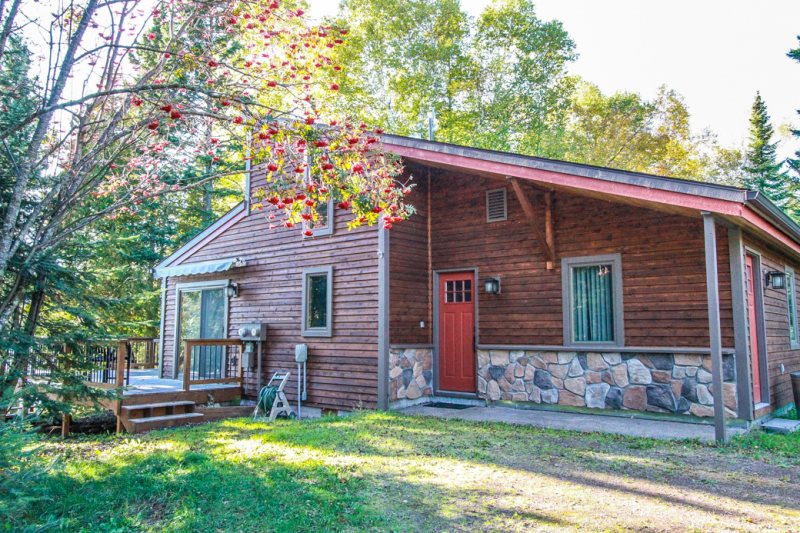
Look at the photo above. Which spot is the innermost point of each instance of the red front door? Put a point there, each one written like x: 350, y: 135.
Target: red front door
x: 457, y: 332
x: 755, y: 357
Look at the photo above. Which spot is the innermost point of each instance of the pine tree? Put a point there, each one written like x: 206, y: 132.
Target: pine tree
x: 794, y: 163
x: 762, y: 170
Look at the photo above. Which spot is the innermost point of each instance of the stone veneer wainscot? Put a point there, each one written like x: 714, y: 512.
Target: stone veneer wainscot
x: 410, y: 373
x: 663, y: 382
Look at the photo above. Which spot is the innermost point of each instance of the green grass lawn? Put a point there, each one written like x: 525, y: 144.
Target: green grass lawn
x: 380, y: 471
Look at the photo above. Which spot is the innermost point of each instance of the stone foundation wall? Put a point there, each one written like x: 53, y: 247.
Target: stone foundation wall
x: 410, y: 373
x: 664, y: 382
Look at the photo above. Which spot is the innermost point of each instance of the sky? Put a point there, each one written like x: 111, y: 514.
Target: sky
x: 716, y: 53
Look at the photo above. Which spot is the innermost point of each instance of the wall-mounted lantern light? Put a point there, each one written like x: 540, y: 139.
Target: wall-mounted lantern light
x: 491, y: 286
x: 232, y: 290
x: 776, y: 280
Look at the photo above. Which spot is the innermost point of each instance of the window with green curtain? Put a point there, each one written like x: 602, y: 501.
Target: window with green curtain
x: 593, y: 303
x: 791, y: 302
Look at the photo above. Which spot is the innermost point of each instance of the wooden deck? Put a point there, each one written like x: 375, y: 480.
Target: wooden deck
x: 149, y: 382
x: 151, y: 402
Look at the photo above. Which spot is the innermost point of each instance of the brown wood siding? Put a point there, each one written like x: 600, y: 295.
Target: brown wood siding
x: 663, y: 265
x: 409, y: 280
x: 342, y: 369
x: 776, y: 322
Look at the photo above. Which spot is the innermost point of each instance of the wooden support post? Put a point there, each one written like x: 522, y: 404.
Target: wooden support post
x: 122, y: 354
x: 530, y: 216
x: 714, y: 332
x: 187, y: 362
x: 549, y: 234
x: 120, y: 427
x: 66, y: 420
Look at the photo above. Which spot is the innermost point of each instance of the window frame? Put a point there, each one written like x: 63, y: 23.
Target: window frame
x: 305, y: 330
x: 567, y: 264
x: 196, y: 286
x: 789, y: 273
x: 328, y: 229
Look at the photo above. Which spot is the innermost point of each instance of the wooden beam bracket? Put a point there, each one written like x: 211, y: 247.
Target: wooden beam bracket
x: 545, y: 236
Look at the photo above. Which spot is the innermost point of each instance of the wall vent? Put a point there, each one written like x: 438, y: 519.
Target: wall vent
x: 496, y: 208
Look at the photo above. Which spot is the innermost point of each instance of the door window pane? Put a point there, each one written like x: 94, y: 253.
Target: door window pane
x: 212, y: 325
x: 190, y: 315
x: 592, y: 303
x: 202, y: 316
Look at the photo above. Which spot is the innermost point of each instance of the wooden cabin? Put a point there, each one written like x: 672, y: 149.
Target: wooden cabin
x: 519, y: 279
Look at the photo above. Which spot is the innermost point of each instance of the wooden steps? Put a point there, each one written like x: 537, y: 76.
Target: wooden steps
x: 146, y: 416
x: 154, y: 407
x: 137, y: 425
x: 146, y: 411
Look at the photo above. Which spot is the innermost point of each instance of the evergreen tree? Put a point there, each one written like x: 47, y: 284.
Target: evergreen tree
x: 794, y: 162
x: 763, y: 172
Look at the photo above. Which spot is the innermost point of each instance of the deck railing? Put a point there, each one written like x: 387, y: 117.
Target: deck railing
x: 102, y: 362
x: 208, y: 361
x: 109, y: 361
x: 143, y: 352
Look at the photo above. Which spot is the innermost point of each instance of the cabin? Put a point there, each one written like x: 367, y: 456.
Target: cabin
x: 519, y: 280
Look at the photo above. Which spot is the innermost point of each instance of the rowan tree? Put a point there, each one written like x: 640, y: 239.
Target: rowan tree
x: 111, y: 103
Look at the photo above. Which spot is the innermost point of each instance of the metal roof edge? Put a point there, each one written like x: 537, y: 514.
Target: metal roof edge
x: 774, y: 214
x: 685, y: 186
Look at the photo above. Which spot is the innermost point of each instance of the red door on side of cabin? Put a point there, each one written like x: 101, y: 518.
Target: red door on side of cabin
x: 755, y: 358
x: 457, y: 332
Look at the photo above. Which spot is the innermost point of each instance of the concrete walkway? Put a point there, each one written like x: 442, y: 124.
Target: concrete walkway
x: 633, y: 427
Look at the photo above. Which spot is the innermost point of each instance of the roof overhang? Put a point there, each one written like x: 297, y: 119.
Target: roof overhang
x: 738, y: 206
x: 205, y: 267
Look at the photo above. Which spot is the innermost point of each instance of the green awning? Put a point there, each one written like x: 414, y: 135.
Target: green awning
x: 205, y: 267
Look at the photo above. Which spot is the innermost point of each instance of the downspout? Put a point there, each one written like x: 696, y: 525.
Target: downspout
x: 383, y: 317
x: 162, y: 325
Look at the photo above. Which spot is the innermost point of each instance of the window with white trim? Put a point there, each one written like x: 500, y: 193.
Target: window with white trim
x: 791, y: 304
x: 592, y: 300
x: 317, y: 302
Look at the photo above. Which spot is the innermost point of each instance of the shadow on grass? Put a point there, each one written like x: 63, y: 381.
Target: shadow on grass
x: 592, y: 460
x: 199, y: 484
x: 320, y: 475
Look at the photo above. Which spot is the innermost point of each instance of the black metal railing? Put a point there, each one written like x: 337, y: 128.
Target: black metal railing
x: 143, y: 352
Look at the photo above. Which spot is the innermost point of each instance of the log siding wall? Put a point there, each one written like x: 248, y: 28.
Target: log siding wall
x: 342, y: 369
x: 410, y: 284
x: 663, y: 265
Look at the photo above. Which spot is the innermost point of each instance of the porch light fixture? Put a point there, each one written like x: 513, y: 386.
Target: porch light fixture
x: 232, y: 290
x: 776, y: 280
x: 491, y: 286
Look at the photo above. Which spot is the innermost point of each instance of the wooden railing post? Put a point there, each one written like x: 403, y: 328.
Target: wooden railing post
x: 122, y: 353
x: 187, y: 361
